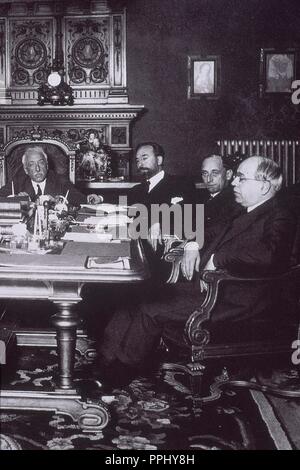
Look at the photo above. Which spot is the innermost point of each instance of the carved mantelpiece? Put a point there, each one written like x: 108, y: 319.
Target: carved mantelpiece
x: 71, y: 124
x: 93, y: 49
x: 89, y: 39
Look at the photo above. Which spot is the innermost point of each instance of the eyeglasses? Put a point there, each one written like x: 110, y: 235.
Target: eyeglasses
x: 241, y: 179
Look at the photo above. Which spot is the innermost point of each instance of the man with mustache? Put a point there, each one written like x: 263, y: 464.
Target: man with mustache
x: 39, y: 180
x: 158, y: 187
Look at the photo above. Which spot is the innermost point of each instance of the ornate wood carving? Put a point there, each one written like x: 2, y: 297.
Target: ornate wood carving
x: 119, y: 135
x: 71, y: 136
x: 117, y: 28
x: 1, y: 136
x: 87, y: 50
x: 2, y: 53
x: 30, y: 51
x: 63, y: 115
x: 4, y: 97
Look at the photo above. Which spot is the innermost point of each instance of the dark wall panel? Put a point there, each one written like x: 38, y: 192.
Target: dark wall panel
x: 160, y: 36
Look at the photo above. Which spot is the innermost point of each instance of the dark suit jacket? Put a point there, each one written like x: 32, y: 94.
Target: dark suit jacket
x: 290, y: 197
x: 169, y: 187
x: 221, y: 207
x: 55, y: 185
x: 256, y: 243
x: 164, y: 192
x: 218, y: 210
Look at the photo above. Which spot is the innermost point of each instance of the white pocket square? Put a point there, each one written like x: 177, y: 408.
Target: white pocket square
x: 176, y: 200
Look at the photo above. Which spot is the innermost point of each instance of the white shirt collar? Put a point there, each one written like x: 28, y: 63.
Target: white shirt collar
x: 214, y: 194
x: 251, y: 208
x: 154, y: 180
x: 42, y: 186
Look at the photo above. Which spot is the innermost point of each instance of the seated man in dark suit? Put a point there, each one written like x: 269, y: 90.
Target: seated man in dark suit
x: 259, y: 241
x: 220, y: 206
x: 218, y: 197
x: 158, y: 186
x: 38, y: 180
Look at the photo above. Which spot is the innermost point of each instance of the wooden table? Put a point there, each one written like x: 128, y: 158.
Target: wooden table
x: 62, y: 285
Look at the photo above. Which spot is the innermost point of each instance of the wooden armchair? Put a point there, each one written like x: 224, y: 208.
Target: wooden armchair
x: 197, y: 345
x: 61, y: 159
x: 61, y: 154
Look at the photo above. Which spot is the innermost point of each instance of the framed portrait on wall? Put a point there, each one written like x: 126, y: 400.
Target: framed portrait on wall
x: 277, y: 71
x: 203, y: 77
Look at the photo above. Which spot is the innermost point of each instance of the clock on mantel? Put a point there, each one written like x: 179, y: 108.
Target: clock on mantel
x: 55, y: 91
x: 54, y: 79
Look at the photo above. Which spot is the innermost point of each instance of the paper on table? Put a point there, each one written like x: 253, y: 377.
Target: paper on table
x: 88, y: 237
x: 108, y: 251
x: 99, y: 263
x: 113, y: 219
x: 51, y: 262
x: 108, y: 208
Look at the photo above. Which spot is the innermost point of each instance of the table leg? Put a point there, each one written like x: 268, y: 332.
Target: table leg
x: 66, y: 321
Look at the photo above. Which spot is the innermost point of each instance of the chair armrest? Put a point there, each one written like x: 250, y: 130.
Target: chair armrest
x: 174, y: 255
x: 195, y: 334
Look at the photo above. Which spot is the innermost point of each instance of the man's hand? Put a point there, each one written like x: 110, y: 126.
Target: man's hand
x: 154, y: 236
x: 191, y: 260
x: 46, y: 197
x: 94, y: 199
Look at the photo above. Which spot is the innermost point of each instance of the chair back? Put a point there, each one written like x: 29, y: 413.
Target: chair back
x: 61, y: 156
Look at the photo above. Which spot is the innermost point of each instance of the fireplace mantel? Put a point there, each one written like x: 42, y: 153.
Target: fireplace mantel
x: 107, y: 112
x: 112, y: 124
x: 86, y: 43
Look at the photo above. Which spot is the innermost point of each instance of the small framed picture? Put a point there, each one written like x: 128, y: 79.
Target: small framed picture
x: 277, y: 71
x: 203, y: 77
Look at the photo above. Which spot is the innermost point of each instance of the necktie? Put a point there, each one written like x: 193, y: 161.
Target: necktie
x: 39, y: 191
x: 146, y: 186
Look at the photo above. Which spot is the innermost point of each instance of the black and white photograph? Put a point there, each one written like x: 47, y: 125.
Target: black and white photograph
x: 278, y: 70
x: 149, y: 227
x: 203, y: 77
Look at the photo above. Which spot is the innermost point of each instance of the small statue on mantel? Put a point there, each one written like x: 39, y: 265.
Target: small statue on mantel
x: 94, y: 161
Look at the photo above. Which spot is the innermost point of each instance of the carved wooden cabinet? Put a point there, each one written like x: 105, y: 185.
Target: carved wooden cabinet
x: 73, y: 125
x: 89, y: 39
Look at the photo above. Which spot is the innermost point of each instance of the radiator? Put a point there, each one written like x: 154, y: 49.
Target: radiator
x: 285, y: 152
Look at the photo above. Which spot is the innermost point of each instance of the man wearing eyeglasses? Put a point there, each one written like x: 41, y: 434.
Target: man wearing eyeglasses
x: 255, y: 185
x: 257, y: 242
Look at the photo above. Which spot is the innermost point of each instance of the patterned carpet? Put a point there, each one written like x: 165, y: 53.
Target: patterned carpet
x: 149, y: 413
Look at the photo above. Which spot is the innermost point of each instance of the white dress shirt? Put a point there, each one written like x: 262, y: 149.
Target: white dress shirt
x: 154, y: 180
x: 251, y: 208
x: 41, y: 185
